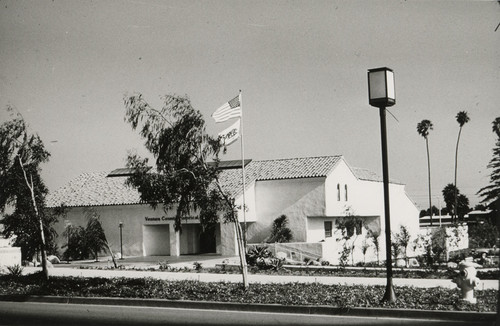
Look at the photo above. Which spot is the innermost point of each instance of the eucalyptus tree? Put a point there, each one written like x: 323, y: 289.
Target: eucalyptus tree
x: 183, y: 179
x: 491, y: 193
x: 462, y: 118
x: 22, y: 188
x: 423, y: 128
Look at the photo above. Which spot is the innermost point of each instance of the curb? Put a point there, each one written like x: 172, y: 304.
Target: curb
x: 462, y: 316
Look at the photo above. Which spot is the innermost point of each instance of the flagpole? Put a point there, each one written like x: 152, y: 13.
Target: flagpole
x: 243, y: 175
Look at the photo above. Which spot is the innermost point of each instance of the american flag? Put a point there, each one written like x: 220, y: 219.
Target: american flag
x: 229, y: 110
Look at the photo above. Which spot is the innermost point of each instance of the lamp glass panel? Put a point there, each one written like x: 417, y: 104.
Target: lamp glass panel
x: 377, y: 84
x: 390, y: 85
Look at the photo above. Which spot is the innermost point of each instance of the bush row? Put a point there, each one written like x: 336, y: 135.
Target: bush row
x: 285, y: 294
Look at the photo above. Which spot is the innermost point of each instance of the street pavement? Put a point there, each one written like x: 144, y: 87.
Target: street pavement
x: 36, y: 313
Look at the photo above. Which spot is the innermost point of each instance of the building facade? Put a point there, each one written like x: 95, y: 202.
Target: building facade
x: 315, y: 193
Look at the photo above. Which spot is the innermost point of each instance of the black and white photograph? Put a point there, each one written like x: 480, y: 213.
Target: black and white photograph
x: 220, y: 162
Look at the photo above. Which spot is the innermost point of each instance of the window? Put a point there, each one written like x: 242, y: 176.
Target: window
x: 328, y: 229
x: 345, y: 192
x: 338, y: 191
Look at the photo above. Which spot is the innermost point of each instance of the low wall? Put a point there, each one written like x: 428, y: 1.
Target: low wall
x: 294, y: 250
x: 10, y: 256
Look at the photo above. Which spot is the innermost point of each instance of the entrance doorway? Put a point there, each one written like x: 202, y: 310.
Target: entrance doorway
x: 156, y: 240
x: 195, y: 241
x: 207, y: 240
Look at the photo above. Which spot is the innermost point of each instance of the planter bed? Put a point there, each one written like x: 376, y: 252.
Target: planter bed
x: 483, y: 274
x: 284, y: 294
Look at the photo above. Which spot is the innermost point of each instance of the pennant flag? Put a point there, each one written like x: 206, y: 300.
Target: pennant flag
x: 229, y: 110
x: 230, y: 135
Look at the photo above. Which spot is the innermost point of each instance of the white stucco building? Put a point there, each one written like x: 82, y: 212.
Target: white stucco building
x: 313, y: 192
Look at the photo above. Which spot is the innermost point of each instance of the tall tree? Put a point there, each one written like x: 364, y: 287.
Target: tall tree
x: 462, y: 118
x: 22, y: 188
x: 423, y: 128
x: 491, y: 193
x: 460, y: 206
x: 176, y: 137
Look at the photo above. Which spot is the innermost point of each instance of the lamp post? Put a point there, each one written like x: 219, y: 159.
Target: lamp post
x: 121, y: 240
x: 68, y: 231
x: 381, y: 94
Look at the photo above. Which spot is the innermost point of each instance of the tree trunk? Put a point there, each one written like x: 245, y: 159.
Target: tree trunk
x: 112, y: 255
x: 429, y: 177
x: 455, y: 210
x: 242, y: 253
x: 40, y: 221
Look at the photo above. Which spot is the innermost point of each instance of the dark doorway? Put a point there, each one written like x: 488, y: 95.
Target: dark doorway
x: 207, y: 240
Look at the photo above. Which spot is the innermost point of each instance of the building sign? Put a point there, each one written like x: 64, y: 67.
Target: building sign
x: 166, y: 218
x: 157, y: 219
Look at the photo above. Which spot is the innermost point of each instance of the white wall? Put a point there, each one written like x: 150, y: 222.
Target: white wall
x: 295, y: 198
x: 132, y: 216
x: 366, y: 199
x: 250, y: 212
x: 138, y: 221
x: 332, y: 245
x: 9, y: 256
x: 341, y: 176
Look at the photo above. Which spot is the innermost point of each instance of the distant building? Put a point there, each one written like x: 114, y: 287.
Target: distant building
x: 313, y: 192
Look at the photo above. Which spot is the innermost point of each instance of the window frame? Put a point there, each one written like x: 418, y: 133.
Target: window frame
x: 328, y: 231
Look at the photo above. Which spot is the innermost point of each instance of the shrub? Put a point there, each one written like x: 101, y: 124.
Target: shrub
x: 164, y: 265
x: 77, y: 247
x: 197, y: 266
x: 15, y: 270
x: 438, y: 240
x: 483, y: 235
x: 255, y: 253
x: 262, y: 258
x: 335, y: 295
x: 280, y: 232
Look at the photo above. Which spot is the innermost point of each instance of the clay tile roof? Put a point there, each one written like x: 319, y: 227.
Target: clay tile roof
x: 95, y: 189
x: 367, y: 175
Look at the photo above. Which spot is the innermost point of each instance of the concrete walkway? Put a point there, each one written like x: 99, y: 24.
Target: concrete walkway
x: 255, y: 278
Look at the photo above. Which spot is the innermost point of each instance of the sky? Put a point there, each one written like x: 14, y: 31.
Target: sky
x: 301, y: 66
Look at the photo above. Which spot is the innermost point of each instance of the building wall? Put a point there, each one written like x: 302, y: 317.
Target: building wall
x: 332, y: 246
x: 132, y: 217
x: 295, y: 198
x: 145, y: 231
x: 250, y: 212
x: 335, y: 185
x: 364, y: 199
x: 307, y: 202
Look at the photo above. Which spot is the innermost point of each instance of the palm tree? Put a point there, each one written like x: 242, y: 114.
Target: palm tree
x: 423, y: 128
x: 491, y: 193
x: 462, y: 118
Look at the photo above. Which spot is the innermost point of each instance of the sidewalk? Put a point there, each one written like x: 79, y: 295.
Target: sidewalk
x: 254, y: 278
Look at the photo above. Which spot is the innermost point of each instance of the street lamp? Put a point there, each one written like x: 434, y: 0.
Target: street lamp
x: 121, y: 240
x: 68, y: 231
x: 381, y: 94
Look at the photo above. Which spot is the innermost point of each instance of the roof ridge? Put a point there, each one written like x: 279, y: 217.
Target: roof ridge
x: 297, y: 158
